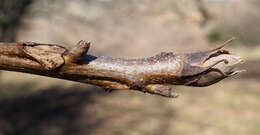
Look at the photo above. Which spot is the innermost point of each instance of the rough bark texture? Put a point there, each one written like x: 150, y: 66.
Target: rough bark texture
x: 152, y: 74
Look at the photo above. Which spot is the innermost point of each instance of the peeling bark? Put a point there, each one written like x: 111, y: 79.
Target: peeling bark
x: 152, y: 74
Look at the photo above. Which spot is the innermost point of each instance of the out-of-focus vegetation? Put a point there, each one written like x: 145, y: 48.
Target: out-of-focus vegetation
x: 241, y: 21
x: 130, y: 28
x: 11, y: 13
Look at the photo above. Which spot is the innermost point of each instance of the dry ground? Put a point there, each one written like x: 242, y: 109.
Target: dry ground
x: 44, y: 106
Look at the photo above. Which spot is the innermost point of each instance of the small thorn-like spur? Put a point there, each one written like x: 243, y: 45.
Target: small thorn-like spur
x: 235, y: 73
x: 218, y: 49
x: 198, y: 58
x: 224, y: 44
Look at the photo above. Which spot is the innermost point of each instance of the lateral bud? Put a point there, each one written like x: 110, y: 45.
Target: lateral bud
x: 75, y: 54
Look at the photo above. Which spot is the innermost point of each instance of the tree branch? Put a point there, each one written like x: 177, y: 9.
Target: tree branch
x: 152, y: 75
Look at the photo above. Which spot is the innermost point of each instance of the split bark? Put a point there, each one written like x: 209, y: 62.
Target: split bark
x: 152, y: 75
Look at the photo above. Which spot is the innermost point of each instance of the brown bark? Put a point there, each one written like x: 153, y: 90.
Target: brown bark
x: 150, y: 75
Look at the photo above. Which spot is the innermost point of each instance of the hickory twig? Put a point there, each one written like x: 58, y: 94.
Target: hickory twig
x: 152, y: 74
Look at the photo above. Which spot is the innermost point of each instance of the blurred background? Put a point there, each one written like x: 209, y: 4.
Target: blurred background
x: 32, y: 104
